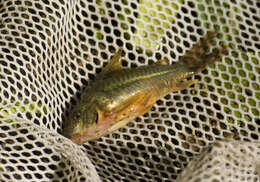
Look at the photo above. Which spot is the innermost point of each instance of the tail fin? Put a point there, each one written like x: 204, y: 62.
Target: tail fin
x: 198, y: 57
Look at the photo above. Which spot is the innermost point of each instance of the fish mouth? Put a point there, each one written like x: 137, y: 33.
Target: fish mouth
x: 86, y: 136
x: 91, y: 133
x: 67, y: 131
x: 81, y: 139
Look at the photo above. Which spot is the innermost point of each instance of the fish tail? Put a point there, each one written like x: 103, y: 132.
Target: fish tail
x: 198, y: 57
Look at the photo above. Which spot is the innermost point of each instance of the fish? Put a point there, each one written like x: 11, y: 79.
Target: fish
x: 118, y: 95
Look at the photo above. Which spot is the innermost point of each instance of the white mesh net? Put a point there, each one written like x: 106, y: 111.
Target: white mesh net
x: 232, y: 161
x: 50, y: 50
x: 30, y: 152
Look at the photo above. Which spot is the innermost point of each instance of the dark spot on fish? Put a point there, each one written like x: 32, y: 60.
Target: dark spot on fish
x: 96, y: 117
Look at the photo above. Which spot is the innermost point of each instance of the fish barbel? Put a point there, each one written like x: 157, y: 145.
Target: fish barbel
x: 119, y: 95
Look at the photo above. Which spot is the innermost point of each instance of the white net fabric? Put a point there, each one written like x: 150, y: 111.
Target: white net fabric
x: 32, y: 153
x: 225, y: 161
x: 50, y: 50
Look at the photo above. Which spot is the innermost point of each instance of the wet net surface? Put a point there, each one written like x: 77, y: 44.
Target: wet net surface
x: 51, y: 50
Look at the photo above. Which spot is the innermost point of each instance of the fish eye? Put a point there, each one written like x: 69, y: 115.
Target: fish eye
x: 96, y: 120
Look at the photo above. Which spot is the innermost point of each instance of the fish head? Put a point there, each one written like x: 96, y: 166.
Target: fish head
x: 86, y: 123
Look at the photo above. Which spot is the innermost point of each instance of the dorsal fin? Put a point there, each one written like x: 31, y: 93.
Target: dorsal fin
x: 114, y: 63
x: 163, y: 61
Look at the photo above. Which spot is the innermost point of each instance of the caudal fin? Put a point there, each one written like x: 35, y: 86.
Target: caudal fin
x: 198, y: 57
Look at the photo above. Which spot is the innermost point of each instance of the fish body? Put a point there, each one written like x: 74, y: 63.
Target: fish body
x: 120, y: 95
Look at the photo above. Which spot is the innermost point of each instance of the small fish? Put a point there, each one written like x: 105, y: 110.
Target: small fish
x: 119, y: 95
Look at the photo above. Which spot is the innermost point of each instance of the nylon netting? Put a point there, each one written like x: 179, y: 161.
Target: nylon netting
x: 51, y: 50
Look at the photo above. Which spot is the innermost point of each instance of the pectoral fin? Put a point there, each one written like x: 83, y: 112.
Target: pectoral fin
x: 132, y: 108
x: 184, y: 84
x: 133, y: 103
x: 120, y: 124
